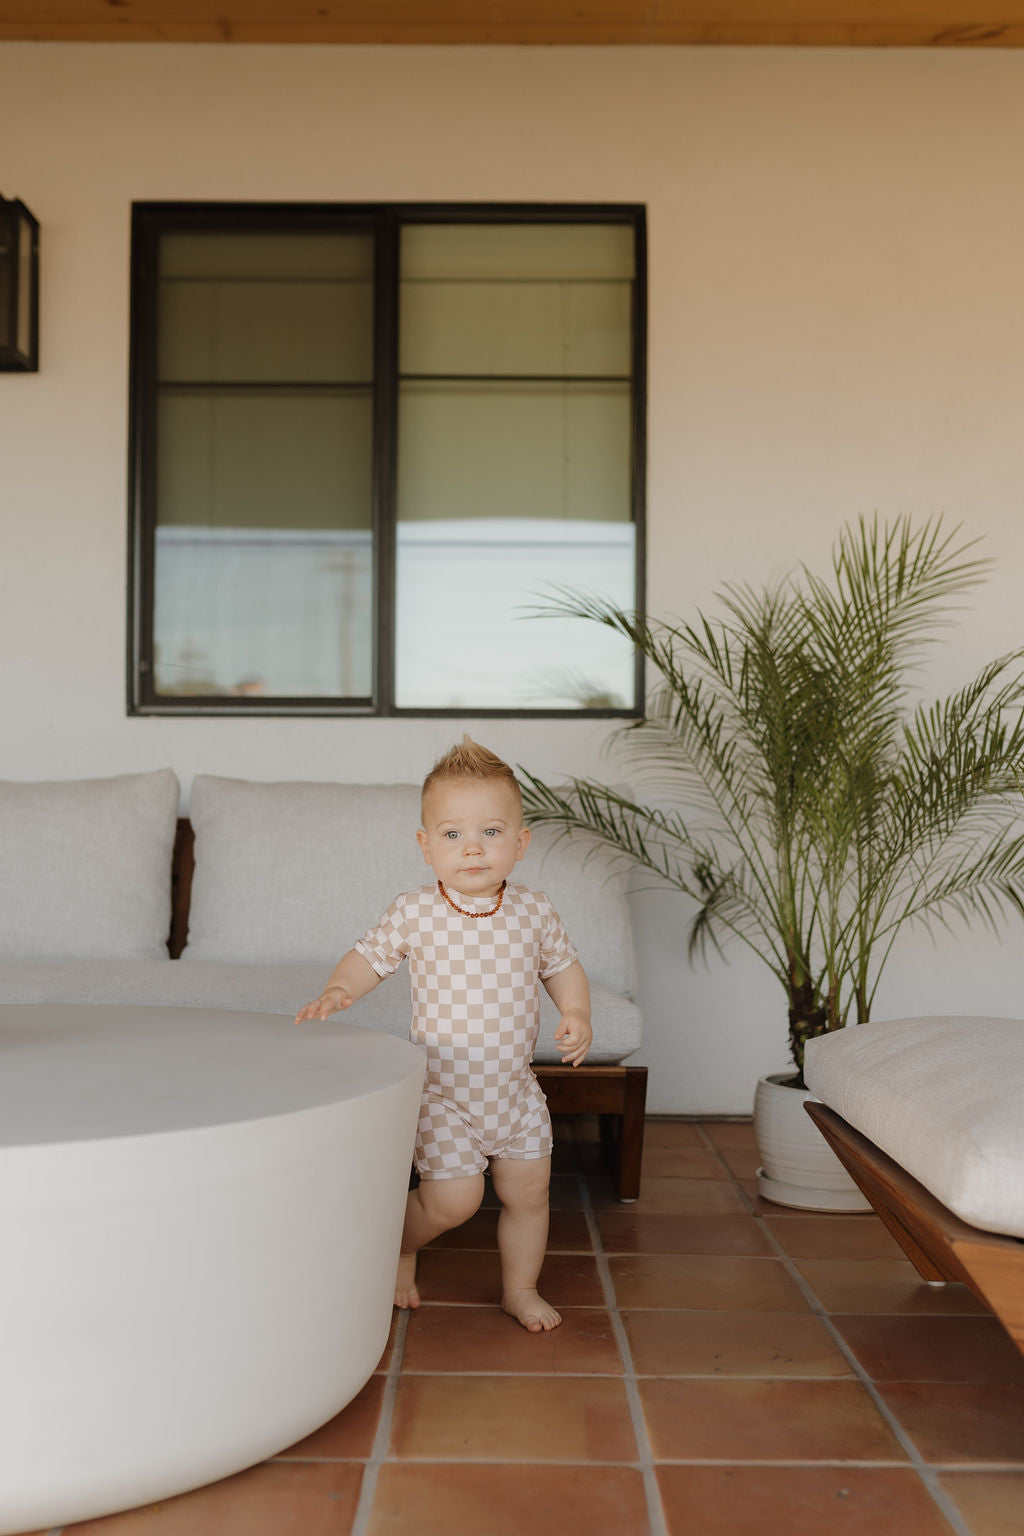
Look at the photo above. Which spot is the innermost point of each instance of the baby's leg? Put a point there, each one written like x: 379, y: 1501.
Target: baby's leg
x: 434, y: 1207
x: 522, y: 1187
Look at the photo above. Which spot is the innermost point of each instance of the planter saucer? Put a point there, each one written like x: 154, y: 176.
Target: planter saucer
x: 809, y: 1199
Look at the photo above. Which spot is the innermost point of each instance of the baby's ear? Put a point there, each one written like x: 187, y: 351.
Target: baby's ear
x: 523, y: 841
x: 421, y: 838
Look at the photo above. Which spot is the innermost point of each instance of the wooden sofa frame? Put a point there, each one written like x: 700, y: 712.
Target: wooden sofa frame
x: 940, y: 1246
x: 618, y: 1094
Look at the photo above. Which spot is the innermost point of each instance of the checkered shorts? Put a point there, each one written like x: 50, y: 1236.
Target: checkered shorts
x: 450, y: 1143
x: 476, y: 1009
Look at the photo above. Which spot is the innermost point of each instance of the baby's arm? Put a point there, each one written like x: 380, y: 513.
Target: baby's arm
x: 352, y: 978
x: 570, y: 994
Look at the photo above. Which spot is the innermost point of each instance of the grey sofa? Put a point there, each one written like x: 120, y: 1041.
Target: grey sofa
x: 272, y: 883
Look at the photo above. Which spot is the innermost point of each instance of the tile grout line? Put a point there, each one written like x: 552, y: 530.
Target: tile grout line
x: 871, y: 1465
x: 382, y: 1439
x: 926, y: 1473
x: 655, y: 1511
x: 920, y: 1466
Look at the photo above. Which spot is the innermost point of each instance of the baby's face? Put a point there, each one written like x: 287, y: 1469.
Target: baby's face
x: 473, y: 835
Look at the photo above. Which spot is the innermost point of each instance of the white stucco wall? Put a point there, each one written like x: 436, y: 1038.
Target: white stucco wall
x: 836, y: 326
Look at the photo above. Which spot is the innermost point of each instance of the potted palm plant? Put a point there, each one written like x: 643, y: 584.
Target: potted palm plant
x: 800, y: 799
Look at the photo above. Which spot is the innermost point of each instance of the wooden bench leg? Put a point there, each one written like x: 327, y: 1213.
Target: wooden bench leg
x: 618, y: 1096
x: 631, y: 1138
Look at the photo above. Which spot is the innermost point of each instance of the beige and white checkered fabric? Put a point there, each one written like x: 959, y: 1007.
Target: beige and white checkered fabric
x: 476, y: 1011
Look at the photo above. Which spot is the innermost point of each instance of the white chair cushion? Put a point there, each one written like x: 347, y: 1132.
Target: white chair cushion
x: 944, y: 1098
x: 86, y: 866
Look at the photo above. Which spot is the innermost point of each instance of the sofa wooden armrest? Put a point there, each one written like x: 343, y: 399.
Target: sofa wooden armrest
x: 939, y: 1245
x: 617, y: 1094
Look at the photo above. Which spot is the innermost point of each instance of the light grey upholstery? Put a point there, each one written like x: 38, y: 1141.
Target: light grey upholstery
x: 944, y: 1098
x: 84, y: 866
x: 274, y: 987
x: 287, y: 876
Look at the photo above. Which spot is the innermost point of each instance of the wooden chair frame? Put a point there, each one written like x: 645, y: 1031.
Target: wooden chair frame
x: 940, y: 1246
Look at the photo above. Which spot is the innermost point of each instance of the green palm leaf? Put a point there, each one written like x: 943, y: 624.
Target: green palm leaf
x: 798, y: 797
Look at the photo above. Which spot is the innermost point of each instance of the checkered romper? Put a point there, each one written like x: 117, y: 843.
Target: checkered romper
x: 476, y: 1014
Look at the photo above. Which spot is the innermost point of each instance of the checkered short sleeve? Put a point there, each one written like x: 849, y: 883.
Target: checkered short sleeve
x: 557, y: 951
x: 389, y: 941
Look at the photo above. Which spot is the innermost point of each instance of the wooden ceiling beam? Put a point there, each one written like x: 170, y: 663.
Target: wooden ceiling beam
x: 664, y: 23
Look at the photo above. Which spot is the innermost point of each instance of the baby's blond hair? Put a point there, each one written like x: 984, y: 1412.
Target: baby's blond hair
x: 468, y: 760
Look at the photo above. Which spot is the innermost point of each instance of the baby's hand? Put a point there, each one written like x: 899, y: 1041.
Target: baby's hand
x: 574, y: 1035
x: 331, y: 1000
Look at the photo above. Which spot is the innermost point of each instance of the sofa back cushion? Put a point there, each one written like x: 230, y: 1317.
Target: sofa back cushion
x: 298, y: 871
x: 588, y: 890
x: 85, y: 867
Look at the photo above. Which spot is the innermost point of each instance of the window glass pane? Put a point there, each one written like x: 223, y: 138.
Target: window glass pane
x: 264, y: 432
x: 515, y: 328
x: 230, y: 459
x: 566, y: 311
x: 253, y: 612
x: 509, y: 485
x: 521, y: 450
x: 260, y: 307
x: 464, y: 638
x: 577, y: 252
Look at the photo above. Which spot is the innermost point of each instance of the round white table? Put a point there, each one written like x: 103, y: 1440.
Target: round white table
x: 201, y: 1213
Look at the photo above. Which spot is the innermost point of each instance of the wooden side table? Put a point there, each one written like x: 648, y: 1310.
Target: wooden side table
x: 618, y: 1095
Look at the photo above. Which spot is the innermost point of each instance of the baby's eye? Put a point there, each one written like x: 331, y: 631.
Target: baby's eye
x: 451, y: 835
x: 491, y: 831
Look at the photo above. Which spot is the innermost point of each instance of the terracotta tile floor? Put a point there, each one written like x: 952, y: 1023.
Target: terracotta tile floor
x: 725, y: 1368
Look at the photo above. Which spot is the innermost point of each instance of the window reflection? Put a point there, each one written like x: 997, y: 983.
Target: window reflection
x: 515, y: 433
x: 264, y: 430
x: 466, y: 635
x: 249, y: 611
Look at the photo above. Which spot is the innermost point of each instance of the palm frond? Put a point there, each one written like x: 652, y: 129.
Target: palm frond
x: 800, y: 798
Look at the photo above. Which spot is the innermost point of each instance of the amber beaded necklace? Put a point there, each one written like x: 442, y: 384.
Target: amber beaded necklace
x: 455, y: 908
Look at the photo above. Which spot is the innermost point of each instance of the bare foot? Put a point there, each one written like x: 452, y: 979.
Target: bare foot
x: 530, y: 1309
x: 406, y: 1294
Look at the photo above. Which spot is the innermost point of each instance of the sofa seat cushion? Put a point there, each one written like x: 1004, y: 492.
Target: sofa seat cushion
x: 943, y: 1098
x: 86, y: 866
x: 280, y: 988
x: 617, y: 1024
x: 274, y: 987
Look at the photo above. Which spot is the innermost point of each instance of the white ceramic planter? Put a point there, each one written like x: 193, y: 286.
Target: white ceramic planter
x: 798, y: 1167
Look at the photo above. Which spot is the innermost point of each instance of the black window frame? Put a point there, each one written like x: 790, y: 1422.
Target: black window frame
x: 150, y: 220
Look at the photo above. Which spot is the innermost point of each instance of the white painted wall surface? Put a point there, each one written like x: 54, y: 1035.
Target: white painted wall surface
x: 836, y: 326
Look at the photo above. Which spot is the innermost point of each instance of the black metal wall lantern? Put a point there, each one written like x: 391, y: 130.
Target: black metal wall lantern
x: 19, y: 288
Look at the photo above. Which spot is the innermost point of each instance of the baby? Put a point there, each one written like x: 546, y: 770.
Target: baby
x: 477, y: 947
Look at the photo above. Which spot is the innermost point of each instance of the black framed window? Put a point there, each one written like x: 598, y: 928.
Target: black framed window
x: 366, y: 439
